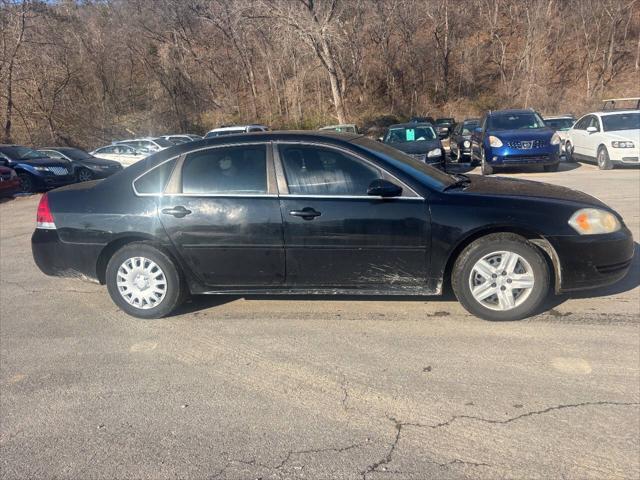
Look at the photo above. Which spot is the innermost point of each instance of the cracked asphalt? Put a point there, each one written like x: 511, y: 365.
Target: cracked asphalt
x: 342, y: 388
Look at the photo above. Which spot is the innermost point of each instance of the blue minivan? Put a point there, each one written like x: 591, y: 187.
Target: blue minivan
x: 508, y: 138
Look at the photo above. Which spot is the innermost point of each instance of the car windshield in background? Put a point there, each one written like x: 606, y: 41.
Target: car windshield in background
x: 621, y: 121
x: 381, y: 150
x: 468, y: 128
x: 76, y: 154
x: 515, y: 121
x: 223, y: 132
x: 410, y: 134
x: 163, y: 142
x: 22, y: 153
x: 444, y: 121
x: 560, y: 124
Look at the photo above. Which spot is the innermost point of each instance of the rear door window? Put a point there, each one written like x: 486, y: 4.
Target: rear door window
x: 240, y: 170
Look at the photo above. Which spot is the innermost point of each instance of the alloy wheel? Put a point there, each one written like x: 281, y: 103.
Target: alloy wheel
x: 84, y: 175
x: 141, y: 282
x: 501, y: 280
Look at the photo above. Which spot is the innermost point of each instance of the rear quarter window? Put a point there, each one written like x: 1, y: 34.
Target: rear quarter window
x: 155, y: 180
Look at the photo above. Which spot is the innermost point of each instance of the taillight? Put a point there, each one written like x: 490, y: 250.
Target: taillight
x: 44, y: 217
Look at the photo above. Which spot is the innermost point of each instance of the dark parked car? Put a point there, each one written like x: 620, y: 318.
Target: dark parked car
x: 84, y: 165
x: 416, y: 139
x: 514, y: 137
x: 422, y: 120
x: 9, y: 181
x: 313, y: 213
x: 460, y: 140
x: 444, y: 125
x: 36, y: 171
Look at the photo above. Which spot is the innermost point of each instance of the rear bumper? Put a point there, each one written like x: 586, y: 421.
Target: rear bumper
x: 592, y: 261
x: 56, y: 258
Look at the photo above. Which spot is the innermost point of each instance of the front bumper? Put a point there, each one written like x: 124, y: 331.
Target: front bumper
x: 506, y: 156
x: 624, y: 156
x: 592, y: 261
x: 57, y: 258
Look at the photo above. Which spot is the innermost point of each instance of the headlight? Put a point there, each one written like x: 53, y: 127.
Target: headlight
x: 622, y: 144
x: 42, y: 169
x: 591, y: 221
x: 434, y: 153
x: 555, y: 139
x: 466, y: 144
x: 495, y: 141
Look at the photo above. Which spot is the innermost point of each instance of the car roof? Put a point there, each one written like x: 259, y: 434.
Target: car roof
x: 613, y: 112
x: 236, y: 127
x: 558, y: 117
x: 511, y: 111
x: 61, y: 149
x: 411, y: 124
x: 137, y: 139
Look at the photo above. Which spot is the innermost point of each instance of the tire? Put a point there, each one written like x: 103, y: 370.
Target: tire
x: 486, y: 168
x: 134, y: 257
x: 604, y: 162
x: 552, y: 168
x: 530, y: 263
x: 568, y: 153
x: 27, y: 185
x: 84, y: 175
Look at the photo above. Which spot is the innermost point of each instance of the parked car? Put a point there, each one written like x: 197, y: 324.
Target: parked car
x: 422, y: 120
x: 609, y: 138
x: 35, y: 171
x: 148, y: 144
x: 460, y: 140
x: 179, y: 138
x: 84, y: 165
x: 9, y: 181
x: 443, y: 126
x: 418, y: 140
x: 125, y: 155
x: 514, y: 137
x: 233, y: 129
x: 561, y: 125
x: 343, y: 128
x: 347, y: 215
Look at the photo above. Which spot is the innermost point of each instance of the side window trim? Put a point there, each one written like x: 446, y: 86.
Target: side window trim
x: 284, y: 188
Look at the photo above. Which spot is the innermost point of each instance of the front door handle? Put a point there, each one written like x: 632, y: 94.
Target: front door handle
x: 306, y: 213
x: 178, y: 212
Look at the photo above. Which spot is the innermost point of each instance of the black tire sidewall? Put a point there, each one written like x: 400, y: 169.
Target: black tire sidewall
x: 492, y: 243
x: 175, y: 287
x: 25, y: 177
x: 84, y: 170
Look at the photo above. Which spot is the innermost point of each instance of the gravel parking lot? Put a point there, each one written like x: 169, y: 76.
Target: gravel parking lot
x: 317, y: 388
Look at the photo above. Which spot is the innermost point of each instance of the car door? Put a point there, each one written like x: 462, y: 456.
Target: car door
x: 593, y: 139
x: 579, y: 136
x: 222, y: 214
x: 337, y: 236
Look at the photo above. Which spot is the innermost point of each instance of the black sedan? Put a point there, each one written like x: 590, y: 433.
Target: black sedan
x: 85, y: 166
x: 460, y: 140
x: 419, y: 140
x: 314, y: 213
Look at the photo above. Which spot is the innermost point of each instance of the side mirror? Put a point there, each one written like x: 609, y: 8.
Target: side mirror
x: 380, y: 139
x: 592, y: 129
x: 384, y: 188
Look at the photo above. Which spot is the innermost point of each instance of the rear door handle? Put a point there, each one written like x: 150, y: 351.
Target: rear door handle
x: 178, y: 212
x: 306, y: 213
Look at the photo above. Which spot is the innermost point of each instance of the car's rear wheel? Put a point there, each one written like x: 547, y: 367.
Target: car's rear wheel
x: 84, y: 175
x: 143, y: 281
x: 27, y: 184
x: 604, y: 162
x: 501, y: 277
x: 485, y: 167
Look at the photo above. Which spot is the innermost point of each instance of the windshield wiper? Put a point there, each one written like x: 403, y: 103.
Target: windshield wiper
x: 462, y: 180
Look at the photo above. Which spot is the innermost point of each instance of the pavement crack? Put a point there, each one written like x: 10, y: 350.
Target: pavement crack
x: 389, y: 456
x: 345, y: 394
x: 524, y: 415
x: 316, y: 450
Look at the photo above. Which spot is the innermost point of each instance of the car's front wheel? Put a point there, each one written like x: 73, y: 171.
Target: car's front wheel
x: 604, y: 162
x: 84, y: 175
x: 143, y: 281
x: 568, y: 152
x: 484, y: 166
x: 501, y: 277
x: 27, y: 184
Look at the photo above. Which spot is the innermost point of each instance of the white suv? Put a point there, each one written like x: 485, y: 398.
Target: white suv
x: 610, y: 138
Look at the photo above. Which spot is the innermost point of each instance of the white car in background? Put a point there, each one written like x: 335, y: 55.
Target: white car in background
x: 148, y: 144
x: 560, y: 124
x: 610, y: 138
x: 229, y: 130
x: 123, y: 154
x: 180, y: 138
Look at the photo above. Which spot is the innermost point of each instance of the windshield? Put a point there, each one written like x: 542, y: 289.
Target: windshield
x: 76, y: 154
x: 163, y: 142
x: 621, y: 121
x: 444, y: 121
x: 515, y: 121
x: 559, y: 124
x: 468, y: 128
x: 410, y: 134
x: 21, y: 153
x: 420, y: 169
